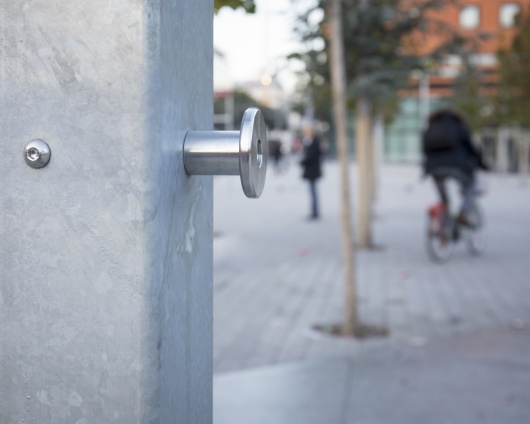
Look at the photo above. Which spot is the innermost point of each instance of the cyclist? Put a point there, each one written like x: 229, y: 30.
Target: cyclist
x: 449, y: 153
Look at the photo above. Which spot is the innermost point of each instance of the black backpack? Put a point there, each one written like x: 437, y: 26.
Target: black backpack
x: 441, y: 135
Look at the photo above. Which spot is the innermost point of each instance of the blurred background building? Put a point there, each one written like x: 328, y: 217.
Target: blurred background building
x: 467, y: 78
x: 488, y: 25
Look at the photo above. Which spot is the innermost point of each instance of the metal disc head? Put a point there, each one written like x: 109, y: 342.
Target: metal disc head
x: 253, y: 152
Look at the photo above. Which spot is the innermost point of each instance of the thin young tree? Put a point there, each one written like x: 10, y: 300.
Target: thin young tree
x: 338, y: 82
x: 381, y: 38
x: 364, y: 152
x: 513, y: 98
x: 375, y: 63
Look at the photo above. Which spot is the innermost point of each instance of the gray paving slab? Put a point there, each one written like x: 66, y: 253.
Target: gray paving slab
x: 464, y: 379
x: 471, y: 379
x: 452, y: 352
x: 276, y: 274
x: 306, y: 393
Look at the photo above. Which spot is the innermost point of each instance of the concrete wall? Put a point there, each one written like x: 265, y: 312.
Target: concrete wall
x: 106, y: 253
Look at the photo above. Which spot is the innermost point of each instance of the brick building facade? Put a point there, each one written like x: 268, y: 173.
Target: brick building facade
x: 490, y: 25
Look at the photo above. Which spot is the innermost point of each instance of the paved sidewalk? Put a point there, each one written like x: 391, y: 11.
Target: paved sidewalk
x: 276, y: 275
x: 472, y: 379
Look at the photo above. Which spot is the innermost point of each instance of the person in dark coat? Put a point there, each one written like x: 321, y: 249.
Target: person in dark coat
x: 449, y: 153
x: 311, y: 164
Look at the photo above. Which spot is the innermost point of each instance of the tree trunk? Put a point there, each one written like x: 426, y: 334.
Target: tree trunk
x: 503, y: 134
x: 378, y: 136
x: 338, y: 80
x: 523, y: 143
x: 363, y: 123
x: 370, y: 160
x: 363, y: 139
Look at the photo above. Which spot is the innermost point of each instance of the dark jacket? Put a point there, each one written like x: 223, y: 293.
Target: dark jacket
x: 462, y: 155
x: 311, y: 160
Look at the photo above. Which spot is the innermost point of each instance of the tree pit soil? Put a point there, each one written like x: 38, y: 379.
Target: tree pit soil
x: 363, y: 331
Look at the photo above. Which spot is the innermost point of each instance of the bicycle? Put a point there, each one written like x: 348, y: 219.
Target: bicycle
x: 445, y: 230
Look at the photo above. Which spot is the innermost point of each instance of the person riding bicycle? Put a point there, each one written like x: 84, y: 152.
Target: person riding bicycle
x: 449, y: 153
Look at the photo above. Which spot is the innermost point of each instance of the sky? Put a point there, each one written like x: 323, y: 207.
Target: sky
x: 256, y: 45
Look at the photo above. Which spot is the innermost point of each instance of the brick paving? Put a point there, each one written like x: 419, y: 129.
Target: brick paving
x: 275, y: 274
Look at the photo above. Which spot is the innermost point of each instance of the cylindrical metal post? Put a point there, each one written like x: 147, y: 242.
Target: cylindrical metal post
x: 212, y: 153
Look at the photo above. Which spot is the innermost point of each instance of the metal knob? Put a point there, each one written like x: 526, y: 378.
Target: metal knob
x: 242, y: 153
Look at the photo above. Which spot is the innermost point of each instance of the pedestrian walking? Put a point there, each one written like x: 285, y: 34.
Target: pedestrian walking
x: 311, y: 164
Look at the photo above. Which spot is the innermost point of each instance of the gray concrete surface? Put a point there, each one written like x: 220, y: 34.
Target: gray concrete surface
x: 458, y: 349
x: 106, y: 253
x: 480, y: 378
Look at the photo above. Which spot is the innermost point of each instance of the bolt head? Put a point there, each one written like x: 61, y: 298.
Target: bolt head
x: 37, y: 153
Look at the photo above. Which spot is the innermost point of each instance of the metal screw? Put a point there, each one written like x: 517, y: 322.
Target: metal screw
x: 37, y: 153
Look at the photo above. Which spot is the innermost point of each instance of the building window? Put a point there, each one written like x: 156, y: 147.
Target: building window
x: 470, y: 17
x: 507, y: 14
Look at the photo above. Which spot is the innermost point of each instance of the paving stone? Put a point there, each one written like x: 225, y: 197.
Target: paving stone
x: 276, y: 274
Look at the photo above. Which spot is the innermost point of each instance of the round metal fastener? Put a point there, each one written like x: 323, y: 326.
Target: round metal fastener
x: 253, y: 152
x: 242, y: 153
x: 37, y: 153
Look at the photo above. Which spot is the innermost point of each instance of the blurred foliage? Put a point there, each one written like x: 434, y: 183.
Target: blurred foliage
x: 513, y: 99
x: 274, y: 118
x: 466, y: 96
x: 469, y: 95
x: 248, y: 5
x: 381, y: 41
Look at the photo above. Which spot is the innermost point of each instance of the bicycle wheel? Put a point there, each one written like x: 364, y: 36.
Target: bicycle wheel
x: 476, y: 233
x: 439, y: 241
